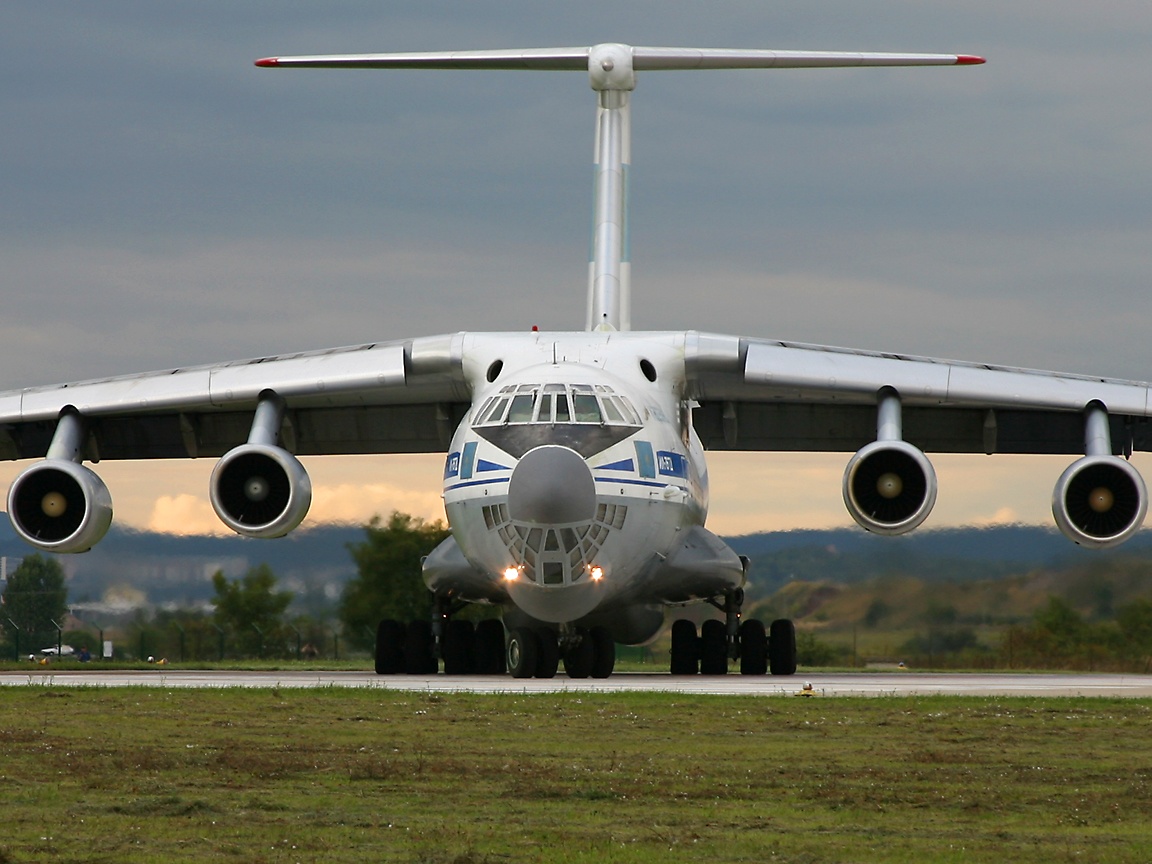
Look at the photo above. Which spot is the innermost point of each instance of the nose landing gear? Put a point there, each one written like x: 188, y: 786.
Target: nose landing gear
x: 536, y: 652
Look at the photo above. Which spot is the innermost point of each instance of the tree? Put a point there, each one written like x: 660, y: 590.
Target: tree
x: 1060, y: 628
x: 36, y: 595
x: 1135, y: 624
x: 388, y: 583
x: 877, y: 611
x: 252, y: 609
x: 184, y: 634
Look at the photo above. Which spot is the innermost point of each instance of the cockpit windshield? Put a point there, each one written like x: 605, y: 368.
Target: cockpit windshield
x: 557, y: 403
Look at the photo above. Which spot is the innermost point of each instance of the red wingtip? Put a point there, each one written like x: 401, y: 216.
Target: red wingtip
x: 268, y: 61
x: 968, y: 60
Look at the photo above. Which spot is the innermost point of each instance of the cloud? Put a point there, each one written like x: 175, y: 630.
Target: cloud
x: 350, y: 502
x: 1003, y: 516
x: 344, y: 503
x: 184, y: 514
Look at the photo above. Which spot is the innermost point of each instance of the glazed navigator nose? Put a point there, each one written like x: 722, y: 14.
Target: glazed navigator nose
x: 552, y: 485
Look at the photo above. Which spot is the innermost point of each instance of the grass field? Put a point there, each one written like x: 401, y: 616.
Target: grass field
x: 336, y: 775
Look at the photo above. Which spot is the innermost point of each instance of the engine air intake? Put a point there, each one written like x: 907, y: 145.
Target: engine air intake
x: 1099, y: 501
x: 260, y: 491
x: 889, y: 487
x: 60, y: 506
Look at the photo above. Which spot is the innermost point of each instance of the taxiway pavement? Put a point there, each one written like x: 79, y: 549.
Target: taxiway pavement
x: 821, y: 684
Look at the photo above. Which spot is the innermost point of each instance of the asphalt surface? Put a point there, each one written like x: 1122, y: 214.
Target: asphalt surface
x: 838, y: 684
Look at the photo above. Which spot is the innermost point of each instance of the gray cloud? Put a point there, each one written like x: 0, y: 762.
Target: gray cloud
x: 167, y: 203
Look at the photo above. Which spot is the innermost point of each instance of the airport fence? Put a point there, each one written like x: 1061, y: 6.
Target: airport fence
x: 174, y: 641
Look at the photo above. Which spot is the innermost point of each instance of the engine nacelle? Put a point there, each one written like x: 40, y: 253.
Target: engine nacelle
x: 1099, y: 501
x: 889, y: 487
x: 260, y: 490
x: 60, y: 506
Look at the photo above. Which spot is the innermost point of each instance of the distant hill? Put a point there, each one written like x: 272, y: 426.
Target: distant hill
x: 177, y: 570
x: 943, y: 555
x: 974, y: 623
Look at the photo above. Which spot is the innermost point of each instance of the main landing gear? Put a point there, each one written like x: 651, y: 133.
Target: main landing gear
x: 417, y: 647
x: 758, y: 650
x: 465, y: 648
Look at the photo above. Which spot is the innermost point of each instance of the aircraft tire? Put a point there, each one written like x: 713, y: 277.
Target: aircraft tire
x: 782, y: 647
x: 753, y: 648
x: 713, y: 648
x: 548, y: 657
x: 603, y: 652
x: 685, y: 648
x: 459, y: 647
x: 418, y: 656
x: 523, y: 647
x: 578, y: 658
x: 389, y: 647
x: 490, y: 647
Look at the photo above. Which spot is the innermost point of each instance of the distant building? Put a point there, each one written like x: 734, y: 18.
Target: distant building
x: 8, y: 565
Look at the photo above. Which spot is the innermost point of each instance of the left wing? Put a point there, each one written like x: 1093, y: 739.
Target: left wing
x: 758, y: 394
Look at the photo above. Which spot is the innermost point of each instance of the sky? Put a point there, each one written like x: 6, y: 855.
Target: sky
x: 165, y: 203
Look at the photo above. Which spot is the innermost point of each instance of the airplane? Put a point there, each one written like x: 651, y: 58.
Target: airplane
x: 575, y: 480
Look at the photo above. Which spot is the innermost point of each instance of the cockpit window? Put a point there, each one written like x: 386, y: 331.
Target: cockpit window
x: 624, y: 406
x: 497, y: 412
x: 586, y: 407
x: 563, y: 414
x: 612, y: 412
x: 521, y: 410
x: 558, y: 403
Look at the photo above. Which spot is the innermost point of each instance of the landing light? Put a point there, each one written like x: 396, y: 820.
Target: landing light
x: 596, y: 572
x: 511, y: 574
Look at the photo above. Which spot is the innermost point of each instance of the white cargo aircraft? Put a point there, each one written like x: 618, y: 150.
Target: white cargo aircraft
x: 575, y: 482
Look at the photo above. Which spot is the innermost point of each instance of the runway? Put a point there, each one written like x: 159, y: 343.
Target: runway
x: 822, y: 684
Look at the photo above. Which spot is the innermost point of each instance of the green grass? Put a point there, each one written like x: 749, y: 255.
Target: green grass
x: 364, y: 775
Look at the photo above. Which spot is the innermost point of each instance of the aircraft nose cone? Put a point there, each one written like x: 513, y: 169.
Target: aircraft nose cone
x: 552, y: 485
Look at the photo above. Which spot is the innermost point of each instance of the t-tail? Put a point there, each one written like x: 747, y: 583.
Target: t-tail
x: 612, y: 69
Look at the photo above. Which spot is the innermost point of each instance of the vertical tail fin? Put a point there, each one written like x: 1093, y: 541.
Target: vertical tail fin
x: 612, y: 71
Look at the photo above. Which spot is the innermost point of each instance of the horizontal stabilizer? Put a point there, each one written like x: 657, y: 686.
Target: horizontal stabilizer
x: 644, y: 59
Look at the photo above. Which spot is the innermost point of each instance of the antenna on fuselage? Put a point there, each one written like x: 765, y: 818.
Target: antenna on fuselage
x: 612, y: 71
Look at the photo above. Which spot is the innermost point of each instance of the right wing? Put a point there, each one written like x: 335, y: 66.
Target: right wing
x: 257, y: 415
x: 389, y: 397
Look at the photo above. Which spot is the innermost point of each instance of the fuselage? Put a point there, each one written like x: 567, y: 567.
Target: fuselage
x: 576, y: 468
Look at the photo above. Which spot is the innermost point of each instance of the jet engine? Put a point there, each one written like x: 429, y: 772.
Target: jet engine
x: 260, y: 490
x: 58, y: 505
x: 1099, y: 501
x: 889, y: 487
